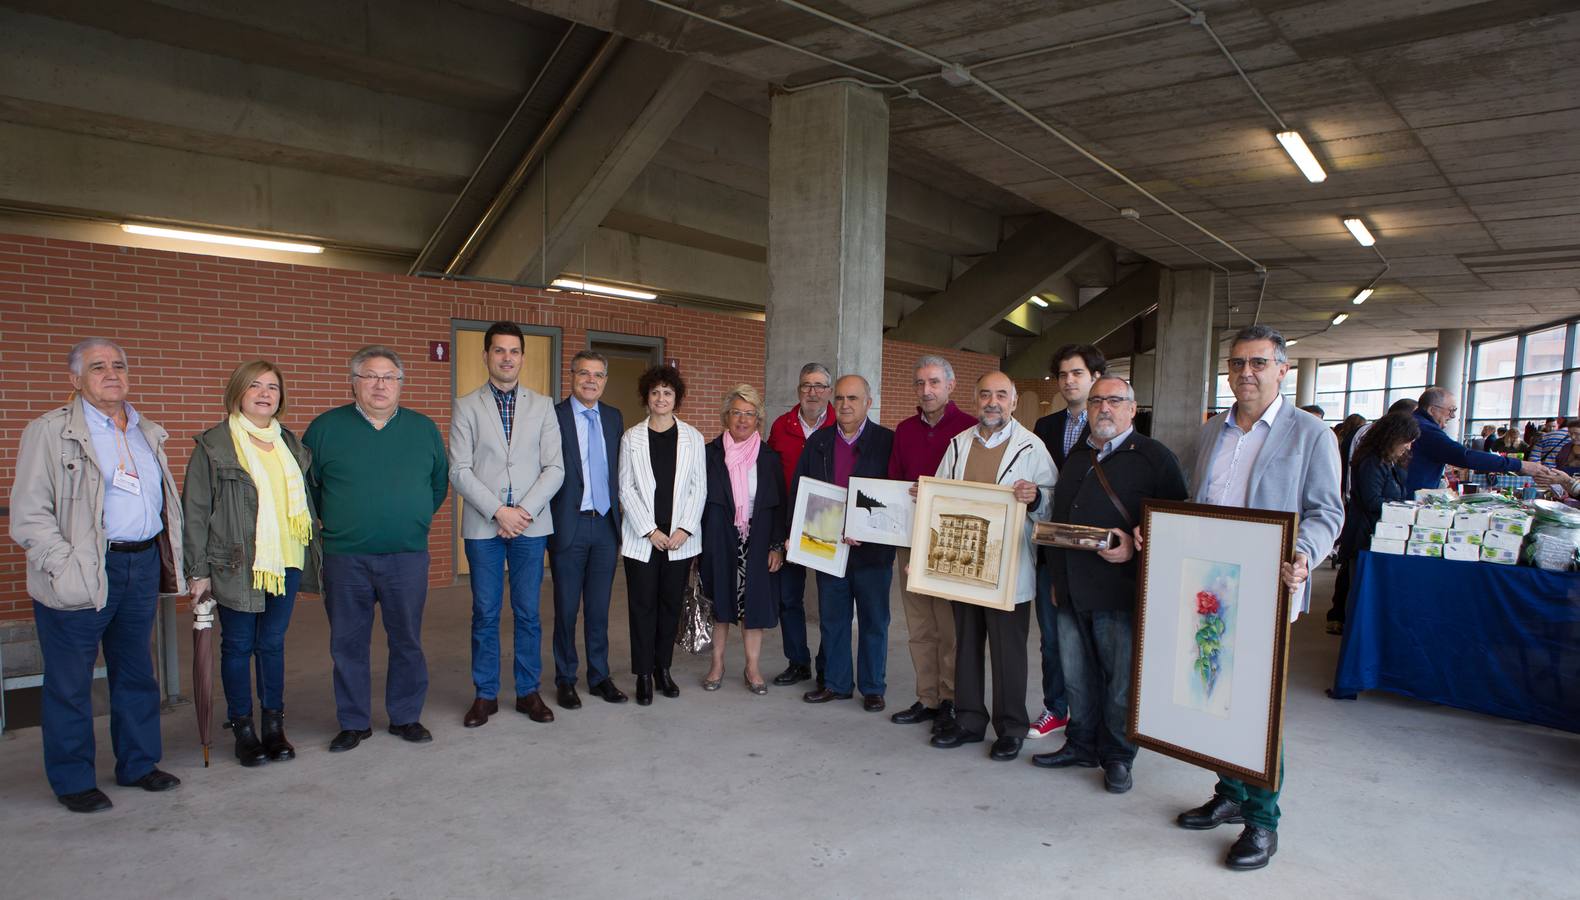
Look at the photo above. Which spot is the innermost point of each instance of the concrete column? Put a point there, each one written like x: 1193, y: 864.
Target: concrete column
x: 1186, y: 360
x: 1305, y: 381
x: 1453, y: 345
x: 828, y: 154
x: 1144, y: 376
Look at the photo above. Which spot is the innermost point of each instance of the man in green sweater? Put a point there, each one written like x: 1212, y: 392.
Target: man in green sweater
x: 379, y: 474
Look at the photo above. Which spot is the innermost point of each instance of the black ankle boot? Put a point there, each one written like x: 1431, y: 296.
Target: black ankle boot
x: 666, y: 685
x: 644, y: 690
x: 274, y: 742
x: 249, y: 750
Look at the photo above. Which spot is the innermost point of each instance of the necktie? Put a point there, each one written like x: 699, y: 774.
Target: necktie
x: 597, y: 462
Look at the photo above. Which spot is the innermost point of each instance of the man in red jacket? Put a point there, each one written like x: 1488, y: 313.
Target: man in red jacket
x: 788, y: 437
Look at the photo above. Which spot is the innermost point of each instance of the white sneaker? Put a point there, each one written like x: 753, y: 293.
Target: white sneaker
x: 1046, y: 724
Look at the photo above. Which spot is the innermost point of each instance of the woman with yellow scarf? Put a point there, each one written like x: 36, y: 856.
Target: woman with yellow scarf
x: 249, y: 540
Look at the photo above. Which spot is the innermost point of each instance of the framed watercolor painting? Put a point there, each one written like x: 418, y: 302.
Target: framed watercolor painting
x: 971, y: 534
x: 1212, y: 637
x: 880, y: 511
x: 816, y: 527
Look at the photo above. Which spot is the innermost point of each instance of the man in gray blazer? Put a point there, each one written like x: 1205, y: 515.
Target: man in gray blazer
x: 1266, y: 454
x: 505, y: 463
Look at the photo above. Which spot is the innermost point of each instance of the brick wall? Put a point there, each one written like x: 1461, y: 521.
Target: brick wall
x: 187, y: 320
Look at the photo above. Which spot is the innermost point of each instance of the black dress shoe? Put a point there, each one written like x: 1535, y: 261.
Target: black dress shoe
x: 954, y: 737
x: 607, y: 690
x: 872, y: 702
x: 946, y: 717
x: 88, y: 801
x: 1254, y: 849
x: 823, y: 695
x: 565, y: 695
x: 154, y: 782
x: 1116, y: 777
x: 1215, y: 812
x: 349, y: 739
x: 795, y: 674
x: 1006, y: 748
x: 412, y: 732
x: 644, y: 690
x: 1064, y: 758
x: 481, y: 709
x: 665, y: 684
x: 915, y: 713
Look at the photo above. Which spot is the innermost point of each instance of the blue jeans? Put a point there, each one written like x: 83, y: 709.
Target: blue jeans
x: 69, y: 641
x: 398, y: 584
x: 488, y: 558
x: 868, y: 590
x: 247, y: 636
x: 583, y: 571
x: 1097, y: 651
x: 1053, y: 693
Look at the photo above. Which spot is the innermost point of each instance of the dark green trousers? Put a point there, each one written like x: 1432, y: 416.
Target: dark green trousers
x: 1259, y: 805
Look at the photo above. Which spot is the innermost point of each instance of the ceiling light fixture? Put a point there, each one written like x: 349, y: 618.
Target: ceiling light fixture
x: 209, y: 237
x: 1292, y: 343
x: 1360, y: 298
x: 1337, y: 320
x: 1038, y: 300
x: 1358, y: 228
x: 609, y: 289
x: 1296, y: 147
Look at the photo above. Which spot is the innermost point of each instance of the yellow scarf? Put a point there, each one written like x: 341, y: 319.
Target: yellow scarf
x: 268, y: 563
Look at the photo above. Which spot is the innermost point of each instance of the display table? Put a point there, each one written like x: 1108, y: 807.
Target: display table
x: 1501, y: 640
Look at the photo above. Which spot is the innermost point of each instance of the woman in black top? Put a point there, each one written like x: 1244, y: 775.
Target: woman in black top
x: 1377, y: 476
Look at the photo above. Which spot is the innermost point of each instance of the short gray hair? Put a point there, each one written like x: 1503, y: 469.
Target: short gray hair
x: 74, y: 358
x: 589, y: 354
x: 375, y: 351
x: 940, y: 362
x: 810, y: 368
x: 744, y: 392
x: 1263, y: 333
x: 1130, y: 391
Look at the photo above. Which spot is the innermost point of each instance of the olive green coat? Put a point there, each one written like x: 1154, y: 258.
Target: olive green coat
x: 220, y: 505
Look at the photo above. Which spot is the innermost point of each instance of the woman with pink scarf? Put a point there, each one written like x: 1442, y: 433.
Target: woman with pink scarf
x: 744, y: 526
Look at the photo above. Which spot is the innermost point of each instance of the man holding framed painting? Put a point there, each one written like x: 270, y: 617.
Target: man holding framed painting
x: 999, y: 451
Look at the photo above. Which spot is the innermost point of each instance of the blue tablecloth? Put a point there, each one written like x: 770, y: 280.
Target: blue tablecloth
x: 1502, y: 640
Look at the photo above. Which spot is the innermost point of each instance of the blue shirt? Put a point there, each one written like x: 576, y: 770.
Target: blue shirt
x: 127, y: 516
x: 1434, y: 449
x: 579, y: 412
x: 1072, y: 430
x: 1550, y: 447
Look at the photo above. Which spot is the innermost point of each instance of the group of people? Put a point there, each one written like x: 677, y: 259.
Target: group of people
x: 1547, y: 443
x: 345, y: 509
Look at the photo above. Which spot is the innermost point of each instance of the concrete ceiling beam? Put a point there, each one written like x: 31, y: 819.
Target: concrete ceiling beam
x: 1135, y: 296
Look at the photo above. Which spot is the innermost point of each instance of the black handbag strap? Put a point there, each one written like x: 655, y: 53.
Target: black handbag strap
x: 1108, y: 489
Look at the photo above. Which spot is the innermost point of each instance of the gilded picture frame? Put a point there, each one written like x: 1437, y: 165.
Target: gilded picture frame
x: 966, y: 542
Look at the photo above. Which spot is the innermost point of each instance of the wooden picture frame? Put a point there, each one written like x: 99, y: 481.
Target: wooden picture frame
x: 817, y: 526
x: 966, y: 542
x: 1212, y: 637
x: 880, y: 511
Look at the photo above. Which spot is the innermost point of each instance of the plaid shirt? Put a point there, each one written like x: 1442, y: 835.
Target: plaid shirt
x: 506, y: 400
x: 1072, y: 430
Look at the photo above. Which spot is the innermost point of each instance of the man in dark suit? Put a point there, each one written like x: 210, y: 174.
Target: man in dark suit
x: 1096, y: 591
x: 585, y: 546
x: 859, y: 447
x: 1076, y: 367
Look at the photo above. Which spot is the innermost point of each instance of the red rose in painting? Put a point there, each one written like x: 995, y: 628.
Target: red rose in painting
x: 1206, y: 602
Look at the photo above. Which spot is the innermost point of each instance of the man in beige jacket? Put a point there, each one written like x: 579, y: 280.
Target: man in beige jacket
x: 96, y: 508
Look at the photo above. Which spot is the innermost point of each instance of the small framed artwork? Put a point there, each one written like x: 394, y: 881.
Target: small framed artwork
x: 966, y: 542
x: 1212, y: 637
x: 880, y: 511
x: 816, y: 527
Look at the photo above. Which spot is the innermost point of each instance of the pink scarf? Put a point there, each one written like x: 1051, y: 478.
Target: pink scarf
x: 739, y: 458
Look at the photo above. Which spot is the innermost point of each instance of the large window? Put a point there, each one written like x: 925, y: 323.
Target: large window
x: 1523, y: 378
x: 1367, y: 386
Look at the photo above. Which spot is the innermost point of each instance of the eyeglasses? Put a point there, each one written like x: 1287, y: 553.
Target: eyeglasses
x: 741, y: 413
x: 808, y: 387
x: 386, y: 380
x: 264, y: 386
x: 1095, y: 400
x: 591, y: 373
x: 1451, y: 410
x: 1257, y: 363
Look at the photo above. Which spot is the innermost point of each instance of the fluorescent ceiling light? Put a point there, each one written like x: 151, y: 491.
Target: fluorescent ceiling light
x: 1358, y: 228
x: 1039, y: 301
x: 1296, y: 147
x: 1361, y: 297
x: 595, y: 288
x: 1292, y: 343
x: 209, y: 237
x: 1337, y: 320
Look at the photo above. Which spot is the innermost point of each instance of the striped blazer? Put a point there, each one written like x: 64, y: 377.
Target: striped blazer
x: 637, y: 488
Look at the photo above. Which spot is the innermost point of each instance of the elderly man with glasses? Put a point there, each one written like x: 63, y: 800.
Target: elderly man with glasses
x: 1434, y: 449
x: 379, y: 474
x: 813, y: 412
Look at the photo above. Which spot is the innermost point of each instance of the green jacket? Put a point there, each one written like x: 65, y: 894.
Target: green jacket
x: 220, y: 505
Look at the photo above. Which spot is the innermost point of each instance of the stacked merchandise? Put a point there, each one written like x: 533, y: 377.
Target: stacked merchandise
x: 1483, y: 528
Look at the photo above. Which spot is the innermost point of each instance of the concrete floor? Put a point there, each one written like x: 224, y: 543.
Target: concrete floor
x: 730, y: 794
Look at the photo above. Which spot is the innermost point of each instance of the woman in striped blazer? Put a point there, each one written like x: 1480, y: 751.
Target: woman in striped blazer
x: 663, y: 486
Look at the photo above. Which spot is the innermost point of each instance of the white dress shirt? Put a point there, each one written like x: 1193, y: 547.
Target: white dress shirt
x: 1229, y: 479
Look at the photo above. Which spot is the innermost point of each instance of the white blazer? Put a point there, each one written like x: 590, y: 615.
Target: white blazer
x: 1025, y: 459
x: 637, y: 488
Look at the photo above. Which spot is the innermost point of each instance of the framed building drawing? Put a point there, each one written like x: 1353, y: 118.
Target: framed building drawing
x: 966, y: 542
x: 816, y: 528
x: 1212, y: 637
x: 879, y: 511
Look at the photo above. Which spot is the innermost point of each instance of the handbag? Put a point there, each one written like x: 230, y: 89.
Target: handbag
x: 1065, y: 536
x: 696, y: 618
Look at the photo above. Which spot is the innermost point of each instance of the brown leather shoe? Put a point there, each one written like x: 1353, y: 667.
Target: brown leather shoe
x: 534, y: 707
x: 478, y: 715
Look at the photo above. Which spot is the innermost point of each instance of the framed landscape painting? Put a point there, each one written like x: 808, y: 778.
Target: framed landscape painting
x: 1212, y: 637
x: 966, y: 542
x: 816, y: 528
x: 880, y: 511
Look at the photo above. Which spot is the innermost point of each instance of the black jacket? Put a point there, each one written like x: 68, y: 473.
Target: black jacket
x: 1139, y: 469
x: 768, y: 525
x: 1051, y: 429
x: 1372, y: 484
x: 872, y: 461
x: 567, y: 504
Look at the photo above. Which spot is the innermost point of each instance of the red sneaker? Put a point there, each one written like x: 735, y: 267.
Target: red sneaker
x: 1046, y: 724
